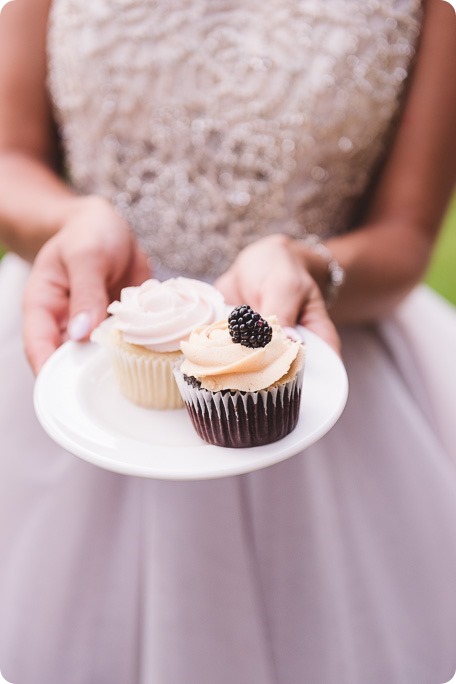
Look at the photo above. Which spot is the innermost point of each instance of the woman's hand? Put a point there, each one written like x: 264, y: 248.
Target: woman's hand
x: 75, y: 276
x: 271, y: 276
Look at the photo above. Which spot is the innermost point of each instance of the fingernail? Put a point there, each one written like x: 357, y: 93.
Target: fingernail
x: 79, y: 326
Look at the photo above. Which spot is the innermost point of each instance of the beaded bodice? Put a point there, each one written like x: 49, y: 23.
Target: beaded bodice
x: 210, y: 123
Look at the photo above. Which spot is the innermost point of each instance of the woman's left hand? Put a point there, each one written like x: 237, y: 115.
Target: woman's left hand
x: 270, y: 276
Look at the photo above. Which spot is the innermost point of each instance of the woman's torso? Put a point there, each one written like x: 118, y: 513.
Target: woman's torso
x: 212, y: 123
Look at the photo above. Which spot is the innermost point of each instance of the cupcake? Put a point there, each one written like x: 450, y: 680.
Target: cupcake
x: 144, y: 334
x: 241, y: 380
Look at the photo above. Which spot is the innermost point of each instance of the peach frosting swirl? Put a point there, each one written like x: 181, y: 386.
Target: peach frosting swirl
x: 158, y: 315
x: 219, y: 363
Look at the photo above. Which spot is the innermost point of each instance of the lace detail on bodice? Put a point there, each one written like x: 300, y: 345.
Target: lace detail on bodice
x: 210, y: 123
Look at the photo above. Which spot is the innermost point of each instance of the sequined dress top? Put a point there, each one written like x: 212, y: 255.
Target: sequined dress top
x: 211, y: 123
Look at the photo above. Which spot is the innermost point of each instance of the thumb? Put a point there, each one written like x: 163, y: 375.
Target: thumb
x: 315, y: 317
x: 282, y: 298
x: 228, y: 286
x: 140, y: 268
x: 88, y: 297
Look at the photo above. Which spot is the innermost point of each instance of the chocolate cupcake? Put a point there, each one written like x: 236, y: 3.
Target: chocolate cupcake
x: 241, y: 380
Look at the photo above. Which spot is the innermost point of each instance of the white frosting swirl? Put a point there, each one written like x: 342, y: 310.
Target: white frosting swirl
x: 159, y: 315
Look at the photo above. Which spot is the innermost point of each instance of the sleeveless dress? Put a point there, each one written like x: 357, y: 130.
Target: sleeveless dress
x: 210, y: 124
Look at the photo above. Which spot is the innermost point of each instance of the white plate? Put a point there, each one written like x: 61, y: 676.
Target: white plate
x: 78, y: 404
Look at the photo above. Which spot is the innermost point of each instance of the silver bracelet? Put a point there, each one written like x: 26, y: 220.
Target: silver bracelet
x: 336, y: 273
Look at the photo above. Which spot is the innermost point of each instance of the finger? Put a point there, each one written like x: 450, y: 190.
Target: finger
x: 88, y: 296
x: 43, y: 307
x: 140, y: 269
x: 227, y: 284
x: 284, y: 298
x: 41, y: 335
x: 315, y: 317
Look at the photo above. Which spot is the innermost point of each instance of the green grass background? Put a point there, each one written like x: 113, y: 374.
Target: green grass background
x: 442, y: 272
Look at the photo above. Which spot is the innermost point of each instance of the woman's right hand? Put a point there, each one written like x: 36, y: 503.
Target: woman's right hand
x: 76, y: 274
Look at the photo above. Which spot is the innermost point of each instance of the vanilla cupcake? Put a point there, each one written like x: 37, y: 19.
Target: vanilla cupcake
x: 145, y: 331
x: 241, y: 380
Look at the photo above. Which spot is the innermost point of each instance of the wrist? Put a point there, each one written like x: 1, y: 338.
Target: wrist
x: 322, y: 265
x: 77, y: 204
x: 335, y: 274
x: 67, y: 209
x: 54, y: 216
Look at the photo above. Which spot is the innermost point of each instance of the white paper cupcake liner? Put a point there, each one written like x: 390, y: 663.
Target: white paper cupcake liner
x: 243, y: 419
x: 146, y: 381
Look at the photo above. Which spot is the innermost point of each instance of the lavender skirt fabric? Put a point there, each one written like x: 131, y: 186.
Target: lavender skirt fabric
x: 336, y: 566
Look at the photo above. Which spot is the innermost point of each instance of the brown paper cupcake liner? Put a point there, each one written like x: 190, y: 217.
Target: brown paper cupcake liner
x: 243, y: 419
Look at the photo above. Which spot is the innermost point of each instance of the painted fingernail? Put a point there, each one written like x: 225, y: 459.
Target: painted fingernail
x: 79, y: 326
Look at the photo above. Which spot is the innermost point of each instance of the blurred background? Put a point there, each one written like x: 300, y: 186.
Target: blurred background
x: 442, y: 272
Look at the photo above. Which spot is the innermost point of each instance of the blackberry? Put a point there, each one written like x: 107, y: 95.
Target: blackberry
x: 246, y: 327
